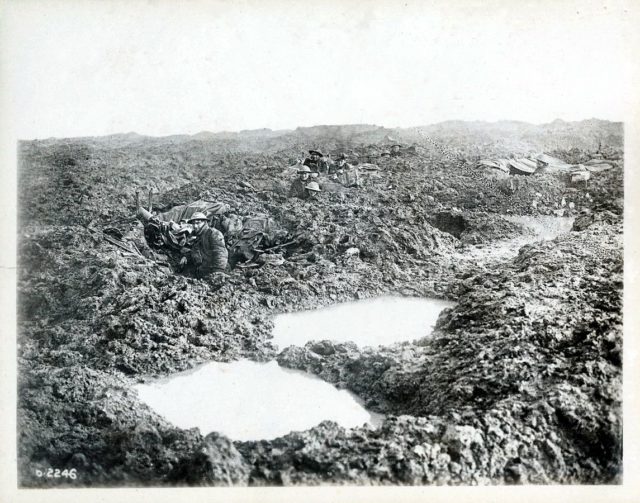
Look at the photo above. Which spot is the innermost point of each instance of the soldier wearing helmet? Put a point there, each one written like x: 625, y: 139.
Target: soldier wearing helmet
x: 298, y: 186
x: 312, y: 189
x: 346, y: 174
x: 336, y: 166
x: 315, y: 162
x: 207, y: 252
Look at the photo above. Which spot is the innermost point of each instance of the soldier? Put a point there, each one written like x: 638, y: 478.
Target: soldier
x: 395, y: 150
x: 312, y: 189
x: 346, y: 174
x: 315, y: 162
x: 340, y: 163
x: 207, y: 252
x: 298, y: 186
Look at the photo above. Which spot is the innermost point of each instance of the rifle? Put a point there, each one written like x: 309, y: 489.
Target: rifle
x: 120, y: 244
x: 276, y: 247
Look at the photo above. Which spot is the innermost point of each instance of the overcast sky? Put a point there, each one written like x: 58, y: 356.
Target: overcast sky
x: 156, y: 67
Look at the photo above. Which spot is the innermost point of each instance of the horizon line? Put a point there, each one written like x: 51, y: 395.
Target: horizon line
x: 287, y: 130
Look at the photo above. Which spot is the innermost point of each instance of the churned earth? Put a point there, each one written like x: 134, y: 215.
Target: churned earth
x: 519, y: 383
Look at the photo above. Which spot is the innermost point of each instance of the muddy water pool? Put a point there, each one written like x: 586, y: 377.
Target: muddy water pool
x: 543, y: 228
x: 246, y: 400
x: 373, y: 322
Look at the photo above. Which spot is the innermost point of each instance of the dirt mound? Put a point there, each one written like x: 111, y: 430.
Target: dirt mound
x: 541, y: 354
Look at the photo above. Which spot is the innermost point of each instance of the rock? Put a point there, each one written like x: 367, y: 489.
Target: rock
x: 271, y: 259
x: 324, y: 348
x: 219, y: 463
x: 78, y: 461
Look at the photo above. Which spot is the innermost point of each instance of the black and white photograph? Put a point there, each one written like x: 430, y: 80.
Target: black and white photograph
x: 359, y: 245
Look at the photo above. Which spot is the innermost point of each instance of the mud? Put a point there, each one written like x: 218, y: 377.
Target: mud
x: 519, y: 383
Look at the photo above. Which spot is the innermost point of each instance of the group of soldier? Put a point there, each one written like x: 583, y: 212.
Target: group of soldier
x: 306, y: 186
x: 199, y: 232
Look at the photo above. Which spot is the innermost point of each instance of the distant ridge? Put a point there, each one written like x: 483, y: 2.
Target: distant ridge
x: 507, y: 135
x: 350, y: 130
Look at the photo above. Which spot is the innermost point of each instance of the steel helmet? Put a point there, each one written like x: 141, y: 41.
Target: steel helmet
x: 312, y: 186
x: 304, y: 169
x: 198, y: 215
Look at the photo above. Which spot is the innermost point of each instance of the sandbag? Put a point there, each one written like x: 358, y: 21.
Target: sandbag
x: 520, y: 168
x: 597, y: 165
